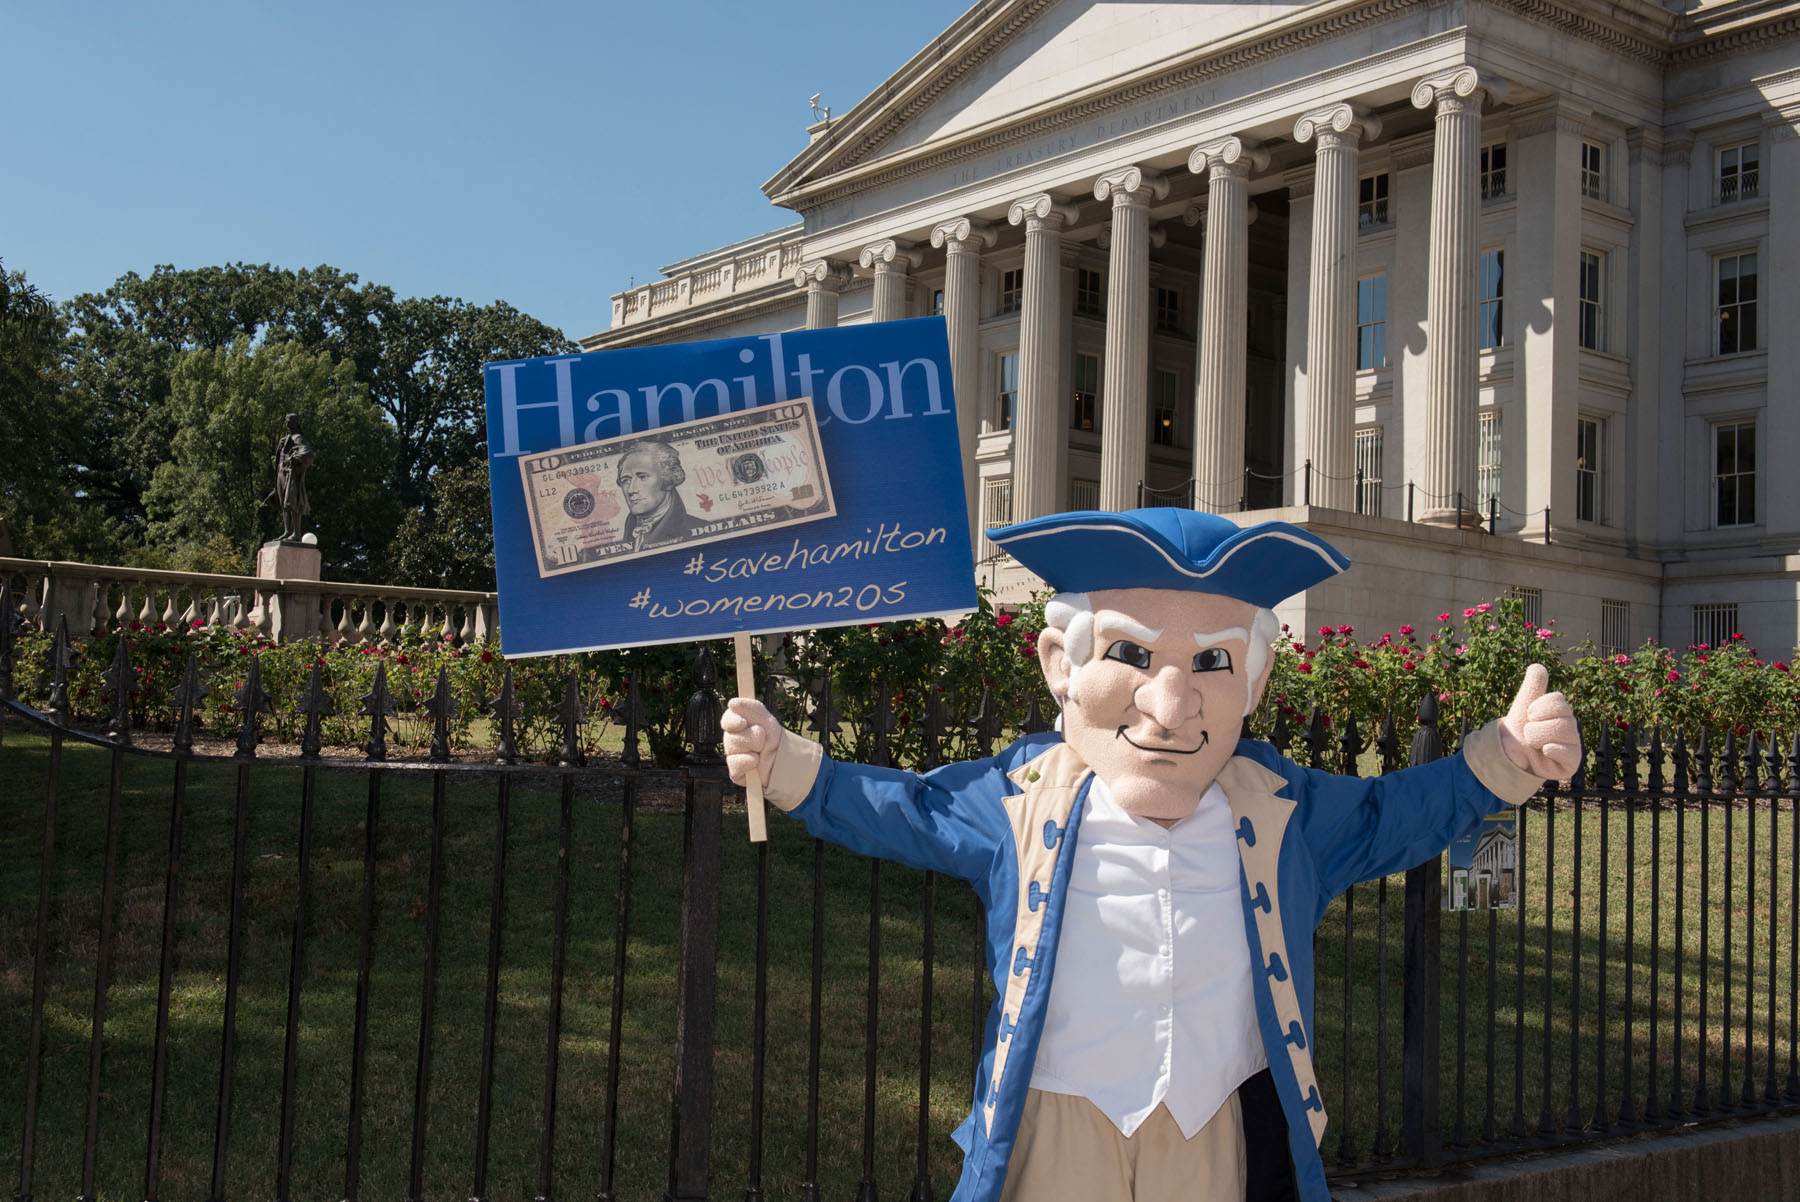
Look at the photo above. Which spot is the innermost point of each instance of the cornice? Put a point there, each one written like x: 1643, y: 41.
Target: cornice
x: 1568, y: 19
x: 1706, y: 34
x: 1249, y: 50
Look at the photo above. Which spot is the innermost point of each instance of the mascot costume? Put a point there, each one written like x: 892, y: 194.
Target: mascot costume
x: 1151, y: 881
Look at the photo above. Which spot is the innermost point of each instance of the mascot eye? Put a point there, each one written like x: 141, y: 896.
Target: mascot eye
x: 1213, y: 659
x: 1129, y: 653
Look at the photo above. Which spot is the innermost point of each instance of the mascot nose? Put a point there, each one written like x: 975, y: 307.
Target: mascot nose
x: 1168, y: 698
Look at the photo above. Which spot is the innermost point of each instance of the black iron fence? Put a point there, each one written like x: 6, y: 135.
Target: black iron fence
x: 288, y: 972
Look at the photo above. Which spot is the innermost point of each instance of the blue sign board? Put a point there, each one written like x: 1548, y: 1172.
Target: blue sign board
x: 896, y: 545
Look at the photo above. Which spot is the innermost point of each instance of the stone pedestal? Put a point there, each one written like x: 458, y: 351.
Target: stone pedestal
x: 293, y: 612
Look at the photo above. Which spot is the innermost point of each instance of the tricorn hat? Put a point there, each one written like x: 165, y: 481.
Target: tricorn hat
x: 1086, y: 550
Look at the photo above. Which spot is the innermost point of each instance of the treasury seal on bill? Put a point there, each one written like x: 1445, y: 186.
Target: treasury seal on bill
x: 676, y: 486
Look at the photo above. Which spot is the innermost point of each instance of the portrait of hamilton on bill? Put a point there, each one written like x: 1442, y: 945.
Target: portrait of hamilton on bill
x: 678, y: 486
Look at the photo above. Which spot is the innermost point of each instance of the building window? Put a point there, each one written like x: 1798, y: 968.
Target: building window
x: 937, y: 302
x: 1591, y: 326
x: 1737, y: 303
x: 1372, y: 208
x: 1492, y: 319
x: 1012, y: 289
x: 1368, y: 464
x: 996, y: 510
x: 1493, y: 170
x: 1734, y: 473
x: 1371, y: 322
x: 1163, y: 394
x: 1714, y: 625
x: 1615, y: 627
x: 1531, y: 603
x: 1090, y: 293
x: 1590, y: 469
x: 1593, y: 170
x: 1085, y: 414
x: 1084, y: 494
x: 1007, y: 402
x: 1740, y: 172
x: 1487, y: 460
x: 1168, y: 311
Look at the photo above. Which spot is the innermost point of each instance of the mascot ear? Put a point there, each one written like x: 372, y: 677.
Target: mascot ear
x: 1053, y: 657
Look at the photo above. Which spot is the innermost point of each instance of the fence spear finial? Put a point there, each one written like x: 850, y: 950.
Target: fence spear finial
x: 59, y: 658
x: 121, y: 681
x: 442, y: 707
x: 377, y: 707
x: 188, y: 694
x: 506, y: 709
x: 251, y: 701
x: 573, y: 712
x: 316, y: 704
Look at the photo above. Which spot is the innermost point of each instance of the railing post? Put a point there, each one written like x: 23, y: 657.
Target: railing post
x: 690, y: 1140
x: 1420, y: 1136
x: 69, y: 595
x: 1409, y: 500
x: 1493, y: 514
x: 1359, y: 491
x: 1140, y: 503
x: 1306, y: 485
x: 1244, y: 493
x: 1546, y: 525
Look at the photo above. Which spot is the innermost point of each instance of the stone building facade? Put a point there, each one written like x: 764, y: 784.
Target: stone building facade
x: 1496, y: 294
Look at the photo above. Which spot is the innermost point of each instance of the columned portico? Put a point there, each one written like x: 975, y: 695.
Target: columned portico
x: 1331, y: 299
x: 1450, y: 417
x: 962, y: 242
x: 823, y: 280
x: 1125, y: 421
x: 891, y: 264
x: 1219, y: 370
x: 1036, y: 430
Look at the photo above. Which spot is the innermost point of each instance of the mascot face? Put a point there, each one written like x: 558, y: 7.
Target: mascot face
x: 1157, y: 700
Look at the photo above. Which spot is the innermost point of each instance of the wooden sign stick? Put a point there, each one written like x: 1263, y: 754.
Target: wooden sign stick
x: 746, y: 688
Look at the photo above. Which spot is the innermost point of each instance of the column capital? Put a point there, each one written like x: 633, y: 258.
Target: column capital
x: 1457, y: 88
x: 1227, y: 156
x: 1043, y: 209
x: 958, y: 232
x: 889, y: 255
x: 1336, y: 123
x: 827, y: 274
x: 1131, y: 185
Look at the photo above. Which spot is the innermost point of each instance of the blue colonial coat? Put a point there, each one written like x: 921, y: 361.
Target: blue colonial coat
x: 1008, y: 825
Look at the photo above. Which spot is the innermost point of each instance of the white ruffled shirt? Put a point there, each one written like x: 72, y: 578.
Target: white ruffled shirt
x: 1155, y: 919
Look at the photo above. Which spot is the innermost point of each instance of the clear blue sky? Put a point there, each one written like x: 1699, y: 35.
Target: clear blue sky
x: 540, y: 154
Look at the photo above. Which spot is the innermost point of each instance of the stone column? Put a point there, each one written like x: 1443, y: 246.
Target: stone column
x: 962, y: 241
x: 1220, y: 371
x: 1331, y: 301
x: 1125, y: 416
x: 823, y: 280
x: 1035, y: 426
x: 1450, y: 421
x: 891, y: 262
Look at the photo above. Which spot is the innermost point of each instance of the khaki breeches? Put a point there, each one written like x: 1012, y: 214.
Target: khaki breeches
x: 1068, y: 1149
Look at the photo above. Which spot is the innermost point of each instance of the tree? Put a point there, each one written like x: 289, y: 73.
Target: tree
x: 228, y: 408
x: 420, y: 360
x: 39, y: 429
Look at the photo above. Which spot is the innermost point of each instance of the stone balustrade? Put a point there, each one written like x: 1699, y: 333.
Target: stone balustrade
x: 765, y: 262
x: 95, y: 598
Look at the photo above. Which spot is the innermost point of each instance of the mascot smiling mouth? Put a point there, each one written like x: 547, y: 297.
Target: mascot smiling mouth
x: 1169, y: 750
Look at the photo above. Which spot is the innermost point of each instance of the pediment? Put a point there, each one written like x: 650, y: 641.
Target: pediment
x: 1004, y: 61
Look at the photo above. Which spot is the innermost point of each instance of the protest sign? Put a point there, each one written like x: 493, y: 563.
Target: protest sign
x: 659, y: 539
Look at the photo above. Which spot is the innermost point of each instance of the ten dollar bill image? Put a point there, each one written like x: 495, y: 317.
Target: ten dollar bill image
x: 676, y: 486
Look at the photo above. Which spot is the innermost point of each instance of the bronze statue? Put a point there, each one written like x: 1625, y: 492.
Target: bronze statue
x: 293, y: 456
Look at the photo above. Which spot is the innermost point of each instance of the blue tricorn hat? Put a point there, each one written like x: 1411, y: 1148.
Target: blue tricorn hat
x: 1263, y: 564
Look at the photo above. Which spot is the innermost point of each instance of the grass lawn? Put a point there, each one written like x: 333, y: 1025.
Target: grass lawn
x: 647, y: 1056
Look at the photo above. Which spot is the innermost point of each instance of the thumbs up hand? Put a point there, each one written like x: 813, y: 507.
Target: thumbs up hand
x: 1539, y: 733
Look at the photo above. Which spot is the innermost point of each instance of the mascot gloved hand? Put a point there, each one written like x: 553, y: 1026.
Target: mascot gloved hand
x: 1150, y: 880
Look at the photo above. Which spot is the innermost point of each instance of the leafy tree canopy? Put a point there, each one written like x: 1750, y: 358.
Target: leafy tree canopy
x: 417, y: 360
x: 229, y: 406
